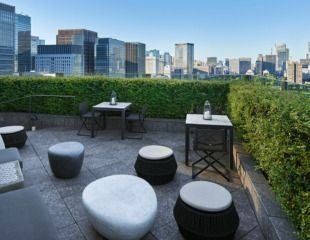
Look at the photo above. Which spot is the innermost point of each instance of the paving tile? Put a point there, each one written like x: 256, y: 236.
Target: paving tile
x: 88, y: 231
x: 30, y: 163
x: 255, y: 234
x: 35, y: 176
x: 112, y: 169
x: 75, y: 206
x: 57, y: 208
x: 246, y: 214
x: 167, y: 232
x: 71, y: 232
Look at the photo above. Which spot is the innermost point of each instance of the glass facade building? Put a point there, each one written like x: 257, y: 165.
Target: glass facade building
x: 110, y: 57
x: 7, y: 33
x: 135, y: 59
x: 67, y: 60
x: 22, y: 43
x: 84, y: 38
x: 282, y: 56
x: 35, y: 41
x: 184, y: 58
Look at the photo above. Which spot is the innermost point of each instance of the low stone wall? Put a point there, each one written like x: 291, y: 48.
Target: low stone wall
x: 272, y: 219
x: 74, y: 122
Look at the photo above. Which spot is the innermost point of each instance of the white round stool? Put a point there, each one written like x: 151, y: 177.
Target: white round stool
x: 120, y: 206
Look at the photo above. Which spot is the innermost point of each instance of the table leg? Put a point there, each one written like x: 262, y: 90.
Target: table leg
x: 231, y: 143
x: 92, y: 123
x: 123, y: 124
x: 186, y: 144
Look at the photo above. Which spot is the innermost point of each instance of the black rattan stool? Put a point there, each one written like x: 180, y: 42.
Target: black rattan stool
x: 13, y: 136
x: 205, y: 211
x: 156, y: 164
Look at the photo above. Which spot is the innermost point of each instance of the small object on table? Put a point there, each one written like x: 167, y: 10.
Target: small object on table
x: 207, y: 113
x: 11, y: 176
x: 113, y: 98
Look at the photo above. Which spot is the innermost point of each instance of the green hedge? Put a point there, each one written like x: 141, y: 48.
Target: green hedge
x: 164, y: 98
x: 275, y: 126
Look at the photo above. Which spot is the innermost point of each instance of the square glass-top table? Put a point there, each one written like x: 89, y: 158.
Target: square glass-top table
x: 217, y: 122
x: 106, y: 106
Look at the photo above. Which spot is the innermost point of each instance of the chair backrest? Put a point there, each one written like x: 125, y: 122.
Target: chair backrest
x: 210, y: 140
x: 83, y: 108
x: 142, y: 113
x: 2, y: 145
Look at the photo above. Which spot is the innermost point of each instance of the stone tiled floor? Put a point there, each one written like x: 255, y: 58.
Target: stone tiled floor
x: 105, y: 155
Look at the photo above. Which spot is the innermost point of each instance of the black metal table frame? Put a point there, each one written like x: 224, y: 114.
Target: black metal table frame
x: 230, y: 132
x: 102, y: 109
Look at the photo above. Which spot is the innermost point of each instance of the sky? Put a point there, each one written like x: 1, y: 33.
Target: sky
x: 221, y: 28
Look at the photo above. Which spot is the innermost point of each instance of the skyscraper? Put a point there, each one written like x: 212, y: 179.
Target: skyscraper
x: 294, y: 72
x: 7, y: 32
x: 135, y: 59
x: 110, y: 57
x: 269, y: 63
x: 35, y: 41
x: 167, y: 59
x: 84, y: 38
x: 211, y: 60
x: 60, y: 59
x: 153, y: 53
x: 22, y: 43
x: 282, y: 56
x: 152, y: 65
x: 184, y: 58
x: 240, y: 65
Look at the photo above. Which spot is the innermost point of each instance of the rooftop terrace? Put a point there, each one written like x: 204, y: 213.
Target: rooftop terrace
x: 105, y: 155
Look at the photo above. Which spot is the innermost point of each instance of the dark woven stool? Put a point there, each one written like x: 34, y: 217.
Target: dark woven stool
x: 205, y: 211
x: 66, y: 159
x: 13, y: 136
x: 156, y: 164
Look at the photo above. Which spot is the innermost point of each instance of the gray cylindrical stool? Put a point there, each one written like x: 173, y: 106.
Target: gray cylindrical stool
x: 205, y: 211
x: 66, y: 159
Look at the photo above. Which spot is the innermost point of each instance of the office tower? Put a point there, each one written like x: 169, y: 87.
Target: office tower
x: 110, y: 55
x: 84, y: 38
x: 7, y: 33
x: 226, y: 62
x: 184, y: 59
x: 152, y: 65
x: 259, y: 65
x: 239, y: 65
x: 294, y: 72
x: 135, y: 59
x: 153, y: 53
x: 161, y: 64
x: 211, y: 60
x: 282, y: 56
x: 22, y: 43
x: 35, y: 41
x: 167, y: 59
x: 65, y: 60
x: 269, y: 63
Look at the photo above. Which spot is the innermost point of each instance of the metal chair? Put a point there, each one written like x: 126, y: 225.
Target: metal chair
x: 206, y: 143
x: 86, y: 118
x: 136, y: 117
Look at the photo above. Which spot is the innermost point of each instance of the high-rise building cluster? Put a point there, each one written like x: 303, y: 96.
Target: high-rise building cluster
x: 82, y: 52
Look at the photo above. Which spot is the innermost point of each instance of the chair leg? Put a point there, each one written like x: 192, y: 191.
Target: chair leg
x: 209, y: 163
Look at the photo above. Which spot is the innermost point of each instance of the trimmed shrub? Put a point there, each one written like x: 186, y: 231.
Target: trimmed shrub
x: 275, y: 127
x: 164, y: 98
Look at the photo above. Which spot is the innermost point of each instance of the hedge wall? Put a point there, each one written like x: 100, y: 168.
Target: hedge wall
x: 275, y: 126
x: 165, y: 98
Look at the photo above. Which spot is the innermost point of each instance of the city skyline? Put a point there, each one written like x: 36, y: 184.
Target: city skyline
x: 222, y: 29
